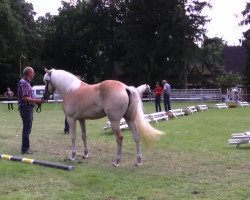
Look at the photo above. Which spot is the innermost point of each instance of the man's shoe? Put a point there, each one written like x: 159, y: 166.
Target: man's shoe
x: 28, y: 151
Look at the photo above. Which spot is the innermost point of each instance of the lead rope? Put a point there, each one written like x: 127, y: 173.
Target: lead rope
x: 38, y: 108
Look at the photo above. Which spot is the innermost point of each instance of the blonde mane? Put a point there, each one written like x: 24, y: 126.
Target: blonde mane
x: 64, y: 81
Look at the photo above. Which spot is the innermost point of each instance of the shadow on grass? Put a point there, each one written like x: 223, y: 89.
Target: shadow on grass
x: 108, y: 133
x: 243, y: 148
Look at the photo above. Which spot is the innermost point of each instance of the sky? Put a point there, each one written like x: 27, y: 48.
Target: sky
x: 225, y: 17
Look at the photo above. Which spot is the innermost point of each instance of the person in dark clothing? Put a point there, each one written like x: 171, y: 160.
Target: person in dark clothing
x: 158, y: 93
x: 26, y: 101
x: 9, y: 94
x: 66, y: 126
x: 166, y: 95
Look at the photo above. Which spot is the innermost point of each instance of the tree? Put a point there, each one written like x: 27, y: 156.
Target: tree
x: 160, y: 37
x: 229, y: 79
x: 149, y: 37
x: 212, y: 57
x: 79, y: 39
x: 246, y: 43
x: 17, y: 37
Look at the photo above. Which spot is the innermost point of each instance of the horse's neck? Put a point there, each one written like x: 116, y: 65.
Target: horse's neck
x: 65, y: 82
x: 142, y: 88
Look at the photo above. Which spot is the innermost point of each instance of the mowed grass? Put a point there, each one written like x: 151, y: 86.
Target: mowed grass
x: 192, y: 161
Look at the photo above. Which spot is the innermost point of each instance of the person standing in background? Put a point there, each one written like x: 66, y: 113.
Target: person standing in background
x: 9, y: 94
x: 158, y: 93
x: 166, y: 95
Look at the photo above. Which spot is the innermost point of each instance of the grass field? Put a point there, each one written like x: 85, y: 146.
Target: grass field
x: 192, y: 161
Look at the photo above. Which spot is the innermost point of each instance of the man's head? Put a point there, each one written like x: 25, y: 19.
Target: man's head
x: 164, y: 81
x: 29, y: 73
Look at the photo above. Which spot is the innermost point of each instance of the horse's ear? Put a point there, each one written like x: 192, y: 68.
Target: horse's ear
x: 47, y: 71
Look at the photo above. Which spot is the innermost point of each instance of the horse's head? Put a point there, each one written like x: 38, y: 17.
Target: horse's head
x: 148, y: 88
x: 49, y: 89
x: 145, y: 88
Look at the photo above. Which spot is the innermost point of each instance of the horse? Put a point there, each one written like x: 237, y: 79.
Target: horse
x: 143, y: 88
x: 109, y: 98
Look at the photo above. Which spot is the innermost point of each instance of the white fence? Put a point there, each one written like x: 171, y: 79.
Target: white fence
x: 16, y: 102
x: 190, y: 95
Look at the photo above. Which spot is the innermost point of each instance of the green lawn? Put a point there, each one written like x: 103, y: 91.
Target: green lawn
x: 192, y: 161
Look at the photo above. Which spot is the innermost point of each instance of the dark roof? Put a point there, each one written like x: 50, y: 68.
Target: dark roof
x: 234, y: 59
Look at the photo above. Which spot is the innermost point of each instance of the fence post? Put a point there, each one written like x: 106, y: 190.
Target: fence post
x: 202, y: 95
x: 220, y: 95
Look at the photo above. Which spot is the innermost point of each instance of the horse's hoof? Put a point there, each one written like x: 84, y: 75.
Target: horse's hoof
x: 138, y: 164
x: 71, y: 158
x: 68, y: 159
x: 116, y: 164
x: 85, y: 156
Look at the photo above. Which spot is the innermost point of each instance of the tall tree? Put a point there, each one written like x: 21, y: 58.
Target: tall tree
x: 150, y: 37
x: 246, y: 43
x: 17, y: 37
x: 80, y: 39
x: 212, y: 57
x: 160, y: 36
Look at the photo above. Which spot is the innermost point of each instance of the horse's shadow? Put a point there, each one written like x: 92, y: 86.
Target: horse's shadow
x: 108, y: 133
x: 239, y: 148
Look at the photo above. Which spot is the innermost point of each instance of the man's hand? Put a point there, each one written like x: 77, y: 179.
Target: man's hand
x: 38, y: 101
x: 31, y: 100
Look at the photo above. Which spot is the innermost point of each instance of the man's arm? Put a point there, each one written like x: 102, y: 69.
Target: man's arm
x: 31, y: 100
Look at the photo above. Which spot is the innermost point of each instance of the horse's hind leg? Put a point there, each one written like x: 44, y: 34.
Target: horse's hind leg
x: 136, y: 137
x: 72, y: 126
x: 84, y: 138
x: 119, y: 138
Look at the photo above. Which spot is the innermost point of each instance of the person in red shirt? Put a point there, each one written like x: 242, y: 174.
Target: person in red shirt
x: 158, y: 93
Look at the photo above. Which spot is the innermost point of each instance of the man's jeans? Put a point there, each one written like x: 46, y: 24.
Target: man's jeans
x: 26, y: 113
x: 166, y: 102
x: 158, y: 103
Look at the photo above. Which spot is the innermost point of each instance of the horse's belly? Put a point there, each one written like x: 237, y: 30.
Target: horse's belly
x: 90, y: 114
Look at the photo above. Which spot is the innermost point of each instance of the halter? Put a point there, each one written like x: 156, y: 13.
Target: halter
x: 47, y: 93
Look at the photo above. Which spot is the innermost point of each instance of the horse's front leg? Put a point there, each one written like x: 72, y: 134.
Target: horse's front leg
x: 84, y: 139
x: 72, y: 128
x: 119, y: 138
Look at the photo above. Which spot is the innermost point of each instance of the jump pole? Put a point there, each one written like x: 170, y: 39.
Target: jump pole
x: 37, y: 162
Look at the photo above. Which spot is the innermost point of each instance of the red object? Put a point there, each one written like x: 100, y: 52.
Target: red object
x: 158, y: 91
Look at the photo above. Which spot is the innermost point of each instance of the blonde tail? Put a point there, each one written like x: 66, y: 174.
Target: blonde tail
x: 146, y: 131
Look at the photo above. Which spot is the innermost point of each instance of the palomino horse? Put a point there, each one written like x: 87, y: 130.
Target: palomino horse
x: 143, y: 88
x: 108, y: 98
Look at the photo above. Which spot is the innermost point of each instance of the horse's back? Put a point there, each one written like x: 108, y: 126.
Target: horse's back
x: 110, y: 86
x: 112, y: 91
x: 114, y: 97
x: 97, y: 100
